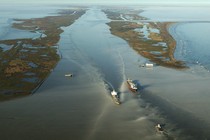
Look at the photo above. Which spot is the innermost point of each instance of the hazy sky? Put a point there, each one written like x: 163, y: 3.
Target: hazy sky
x: 105, y: 1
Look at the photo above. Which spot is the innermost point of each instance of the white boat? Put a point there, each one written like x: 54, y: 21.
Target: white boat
x: 132, y: 86
x: 69, y: 75
x: 148, y: 65
x: 115, y: 97
x: 159, y: 129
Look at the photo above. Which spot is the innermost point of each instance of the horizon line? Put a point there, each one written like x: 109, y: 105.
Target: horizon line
x: 116, y: 3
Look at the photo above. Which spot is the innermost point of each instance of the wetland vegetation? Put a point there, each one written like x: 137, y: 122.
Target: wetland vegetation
x: 150, y: 39
x: 25, y: 63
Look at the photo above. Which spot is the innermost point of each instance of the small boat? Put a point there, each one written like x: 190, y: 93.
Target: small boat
x: 132, y: 86
x: 115, y: 97
x: 148, y: 65
x: 159, y: 128
x: 69, y: 75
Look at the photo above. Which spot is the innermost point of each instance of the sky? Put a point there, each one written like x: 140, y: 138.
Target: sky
x: 108, y: 1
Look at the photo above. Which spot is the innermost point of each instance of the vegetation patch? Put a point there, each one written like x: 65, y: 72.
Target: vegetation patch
x: 32, y: 55
x: 149, y: 39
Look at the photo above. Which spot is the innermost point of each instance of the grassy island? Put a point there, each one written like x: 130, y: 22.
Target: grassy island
x: 28, y: 61
x: 150, y: 39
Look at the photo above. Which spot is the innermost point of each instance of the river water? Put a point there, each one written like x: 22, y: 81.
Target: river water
x: 81, y: 107
x: 91, y: 36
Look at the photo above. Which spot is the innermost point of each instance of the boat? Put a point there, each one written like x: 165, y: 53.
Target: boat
x: 159, y: 128
x: 69, y: 75
x: 148, y: 65
x: 132, y: 86
x: 115, y: 97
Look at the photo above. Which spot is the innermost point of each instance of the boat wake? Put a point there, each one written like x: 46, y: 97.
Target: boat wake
x: 141, y: 118
x: 108, y: 86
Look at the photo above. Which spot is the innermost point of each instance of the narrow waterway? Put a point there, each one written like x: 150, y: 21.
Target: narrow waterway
x: 91, y: 36
x: 81, y: 107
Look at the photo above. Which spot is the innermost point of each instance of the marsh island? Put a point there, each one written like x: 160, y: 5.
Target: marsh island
x: 26, y: 62
x: 150, y: 39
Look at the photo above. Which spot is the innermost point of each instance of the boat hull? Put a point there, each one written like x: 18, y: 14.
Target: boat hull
x: 116, y: 100
x: 132, y: 89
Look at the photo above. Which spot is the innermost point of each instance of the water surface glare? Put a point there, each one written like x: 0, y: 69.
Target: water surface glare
x: 92, y: 37
x: 193, y: 44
